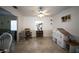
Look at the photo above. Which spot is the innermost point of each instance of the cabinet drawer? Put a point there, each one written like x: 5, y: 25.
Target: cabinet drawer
x: 39, y: 33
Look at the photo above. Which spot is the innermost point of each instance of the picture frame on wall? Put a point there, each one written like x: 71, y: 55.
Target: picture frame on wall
x: 66, y: 18
x: 62, y: 18
x: 69, y: 17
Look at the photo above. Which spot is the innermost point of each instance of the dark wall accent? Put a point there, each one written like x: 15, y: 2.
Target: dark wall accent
x: 4, y: 12
x: 5, y: 18
x: 5, y: 22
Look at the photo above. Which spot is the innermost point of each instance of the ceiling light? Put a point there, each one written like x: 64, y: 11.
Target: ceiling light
x: 40, y: 15
x: 42, y: 12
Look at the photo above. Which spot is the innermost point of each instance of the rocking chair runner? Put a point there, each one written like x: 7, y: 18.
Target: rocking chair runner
x: 5, y: 42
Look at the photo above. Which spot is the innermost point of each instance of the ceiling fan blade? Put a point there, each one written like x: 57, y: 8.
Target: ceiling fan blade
x: 46, y: 13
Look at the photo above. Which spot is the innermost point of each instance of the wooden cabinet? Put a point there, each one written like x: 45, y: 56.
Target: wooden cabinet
x: 60, y: 35
x: 39, y: 33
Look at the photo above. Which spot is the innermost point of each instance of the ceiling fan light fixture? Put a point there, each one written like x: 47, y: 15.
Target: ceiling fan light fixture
x: 40, y: 15
x: 41, y: 12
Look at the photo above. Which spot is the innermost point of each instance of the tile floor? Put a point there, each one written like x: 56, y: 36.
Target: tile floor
x: 38, y: 45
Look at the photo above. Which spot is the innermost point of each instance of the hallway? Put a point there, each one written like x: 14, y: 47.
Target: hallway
x: 38, y: 45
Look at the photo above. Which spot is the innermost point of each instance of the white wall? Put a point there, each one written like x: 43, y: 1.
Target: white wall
x: 19, y: 26
x: 29, y: 22
x: 71, y: 26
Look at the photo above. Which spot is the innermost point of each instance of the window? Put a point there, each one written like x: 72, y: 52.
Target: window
x: 13, y: 25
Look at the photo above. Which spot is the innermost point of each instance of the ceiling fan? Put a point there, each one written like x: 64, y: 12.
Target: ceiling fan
x: 41, y: 12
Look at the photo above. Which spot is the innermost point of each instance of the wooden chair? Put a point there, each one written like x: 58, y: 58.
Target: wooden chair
x: 28, y: 33
x: 5, y: 42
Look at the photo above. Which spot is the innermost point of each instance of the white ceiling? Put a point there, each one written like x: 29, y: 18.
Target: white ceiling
x: 31, y: 10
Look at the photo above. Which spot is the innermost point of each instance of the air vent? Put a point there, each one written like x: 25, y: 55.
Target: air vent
x: 15, y: 7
